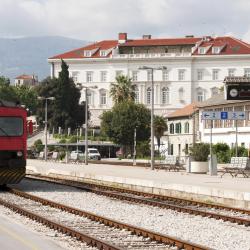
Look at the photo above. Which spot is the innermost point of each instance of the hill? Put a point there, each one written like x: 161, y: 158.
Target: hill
x: 29, y: 55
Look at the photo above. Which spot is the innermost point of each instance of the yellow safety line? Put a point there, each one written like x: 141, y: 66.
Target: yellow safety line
x: 17, y: 237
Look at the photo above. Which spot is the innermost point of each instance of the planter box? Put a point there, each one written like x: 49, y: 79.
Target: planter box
x: 199, y: 167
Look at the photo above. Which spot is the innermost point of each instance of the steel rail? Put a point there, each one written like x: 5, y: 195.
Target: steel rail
x: 91, y: 241
x: 150, y: 201
x: 154, y: 236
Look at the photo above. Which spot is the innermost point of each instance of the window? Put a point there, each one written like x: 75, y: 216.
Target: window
x: 118, y: 73
x: 164, y: 75
x: 136, y: 94
x: 215, y: 74
x: 103, y: 53
x: 89, y: 76
x: 171, y: 128
x: 231, y: 72
x: 199, y: 74
x: 135, y: 76
x: 149, y: 75
x: 89, y: 98
x: 186, y: 128
x: 103, y: 97
x: 202, y: 50
x: 11, y: 126
x: 178, y: 128
x: 148, y: 95
x: 165, y: 95
x: 247, y: 72
x: 181, y: 94
x: 103, y: 76
x: 75, y: 76
x: 200, y: 95
x: 87, y: 53
x: 181, y: 74
x: 216, y: 50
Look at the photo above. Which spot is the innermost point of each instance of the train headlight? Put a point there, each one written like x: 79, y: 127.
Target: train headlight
x: 19, y: 153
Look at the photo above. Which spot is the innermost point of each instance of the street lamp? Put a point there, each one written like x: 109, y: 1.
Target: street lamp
x: 152, y: 108
x: 80, y: 86
x: 46, y: 122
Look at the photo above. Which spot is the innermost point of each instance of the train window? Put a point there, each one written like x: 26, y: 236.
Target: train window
x: 11, y: 126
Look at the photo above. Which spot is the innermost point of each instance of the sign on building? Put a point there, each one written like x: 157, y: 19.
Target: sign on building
x: 223, y: 115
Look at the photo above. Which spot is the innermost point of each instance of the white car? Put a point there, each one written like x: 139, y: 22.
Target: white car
x: 94, y: 154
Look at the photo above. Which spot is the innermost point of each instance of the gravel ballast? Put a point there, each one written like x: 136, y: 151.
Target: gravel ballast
x: 201, y: 230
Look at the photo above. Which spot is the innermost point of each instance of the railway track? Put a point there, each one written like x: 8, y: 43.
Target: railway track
x: 225, y: 213
x: 96, y: 231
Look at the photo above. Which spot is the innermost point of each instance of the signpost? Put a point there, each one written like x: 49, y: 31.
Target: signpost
x: 222, y: 115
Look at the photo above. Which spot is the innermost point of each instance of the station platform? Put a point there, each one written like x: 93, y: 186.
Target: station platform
x: 226, y: 190
x: 15, y: 236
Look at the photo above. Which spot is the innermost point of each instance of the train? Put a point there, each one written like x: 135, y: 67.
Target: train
x: 14, y: 130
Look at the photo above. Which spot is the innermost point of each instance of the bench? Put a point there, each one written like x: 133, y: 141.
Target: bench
x: 55, y: 156
x: 237, y: 166
x: 172, y: 163
x: 41, y: 155
x: 73, y: 158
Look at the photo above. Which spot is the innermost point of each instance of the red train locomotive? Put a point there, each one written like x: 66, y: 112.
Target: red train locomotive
x: 13, y: 142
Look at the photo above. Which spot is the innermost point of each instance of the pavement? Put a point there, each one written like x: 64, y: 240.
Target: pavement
x: 15, y: 236
x: 225, y: 190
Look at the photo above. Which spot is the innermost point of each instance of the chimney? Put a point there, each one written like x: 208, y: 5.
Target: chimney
x: 146, y: 37
x: 122, y: 38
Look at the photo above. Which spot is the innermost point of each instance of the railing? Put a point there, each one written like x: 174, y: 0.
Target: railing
x: 151, y: 55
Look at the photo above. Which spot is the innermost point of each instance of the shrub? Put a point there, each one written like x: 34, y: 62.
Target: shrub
x: 200, y: 151
x: 38, y: 145
x: 242, y: 152
x: 222, y: 151
x: 63, y: 140
x: 143, y: 149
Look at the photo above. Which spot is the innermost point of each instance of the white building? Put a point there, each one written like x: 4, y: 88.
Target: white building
x: 27, y: 80
x: 225, y: 130
x: 196, y: 68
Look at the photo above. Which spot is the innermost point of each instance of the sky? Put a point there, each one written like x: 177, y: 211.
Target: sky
x: 96, y: 20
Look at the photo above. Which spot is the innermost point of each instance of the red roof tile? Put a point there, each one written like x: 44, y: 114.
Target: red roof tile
x: 25, y: 77
x: 185, y: 111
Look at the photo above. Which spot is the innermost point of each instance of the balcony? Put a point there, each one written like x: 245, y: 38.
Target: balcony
x: 151, y: 55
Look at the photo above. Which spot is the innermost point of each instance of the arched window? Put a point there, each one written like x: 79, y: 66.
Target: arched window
x: 178, y: 128
x: 186, y: 128
x: 181, y: 94
x: 149, y: 95
x: 136, y: 94
x: 200, y: 95
x: 165, y: 95
x: 103, y: 97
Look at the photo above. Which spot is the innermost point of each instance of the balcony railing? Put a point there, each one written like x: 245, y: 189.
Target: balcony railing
x: 151, y: 55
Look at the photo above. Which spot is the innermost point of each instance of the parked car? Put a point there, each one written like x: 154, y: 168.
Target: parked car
x: 94, y: 154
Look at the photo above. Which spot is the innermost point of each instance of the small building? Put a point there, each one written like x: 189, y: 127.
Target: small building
x: 182, y: 130
x: 225, y: 130
x: 27, y: 80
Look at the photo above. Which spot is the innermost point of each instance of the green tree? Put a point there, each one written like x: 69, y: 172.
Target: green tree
x: 122, y: 90
x: 7, y: 91
x: 160, y: 126
x: 119, y: 124
x: 65, y: 111
x: 222, y: 151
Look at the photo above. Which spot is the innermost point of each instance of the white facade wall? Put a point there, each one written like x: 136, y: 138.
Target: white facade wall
x: 189, y: 86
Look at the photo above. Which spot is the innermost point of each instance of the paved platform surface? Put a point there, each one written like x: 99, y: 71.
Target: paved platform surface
x: 14, y: 236
x: 227, y: 190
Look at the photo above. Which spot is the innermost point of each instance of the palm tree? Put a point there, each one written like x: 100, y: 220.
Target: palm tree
x: 160, y: 126
x: 122, y: 90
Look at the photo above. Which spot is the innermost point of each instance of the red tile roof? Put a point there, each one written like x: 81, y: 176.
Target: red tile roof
x: 230, y: 46
x: 185, y: 111
x: 25, y: 77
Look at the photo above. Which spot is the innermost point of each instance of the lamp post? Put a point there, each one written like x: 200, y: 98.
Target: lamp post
x: 80, y: 86
x: 46, y: 123
x: 152, y: 108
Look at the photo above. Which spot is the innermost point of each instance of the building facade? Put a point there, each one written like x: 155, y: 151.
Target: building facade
x: 195, y: 69
x: 27, y: 80
x: 225, y: 130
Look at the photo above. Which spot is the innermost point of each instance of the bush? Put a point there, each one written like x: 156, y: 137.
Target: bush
x: 222, y: 151
x: 200, y: 151
x: 242, y: 152
x: 38, y: 145
x: 142, y: 149
x: 63, y: 140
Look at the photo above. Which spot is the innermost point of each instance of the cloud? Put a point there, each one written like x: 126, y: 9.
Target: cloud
x: 103, y: 19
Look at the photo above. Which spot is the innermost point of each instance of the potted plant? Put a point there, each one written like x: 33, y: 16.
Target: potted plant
x: 199, y: 154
